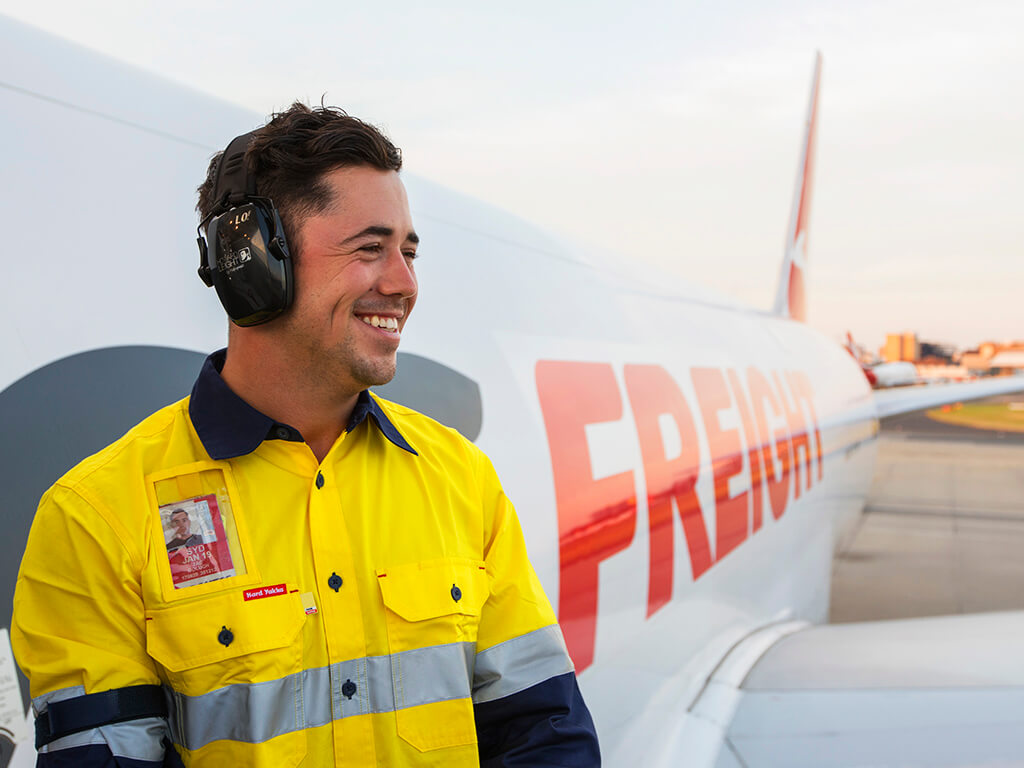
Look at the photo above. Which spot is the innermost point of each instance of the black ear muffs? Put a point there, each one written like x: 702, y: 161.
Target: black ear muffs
x: 244, y: 254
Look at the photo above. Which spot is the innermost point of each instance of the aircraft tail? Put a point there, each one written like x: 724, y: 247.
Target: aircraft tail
x: 851, y: 346
x: 789, y: 296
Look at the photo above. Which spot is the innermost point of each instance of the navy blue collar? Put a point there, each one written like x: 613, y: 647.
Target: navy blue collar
x: 229, y: 427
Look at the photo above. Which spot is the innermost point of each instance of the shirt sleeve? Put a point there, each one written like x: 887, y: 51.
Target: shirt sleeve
x: 78, y: 629
x: 527, y: 703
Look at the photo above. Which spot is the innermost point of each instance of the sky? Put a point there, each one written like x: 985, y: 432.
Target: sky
x: 667, y: 132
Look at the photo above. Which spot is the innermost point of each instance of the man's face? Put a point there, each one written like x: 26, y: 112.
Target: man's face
x: 181, y: 524
x: 354, y: 281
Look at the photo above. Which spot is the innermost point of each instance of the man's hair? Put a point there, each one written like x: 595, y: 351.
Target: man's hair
x: 291, y: 154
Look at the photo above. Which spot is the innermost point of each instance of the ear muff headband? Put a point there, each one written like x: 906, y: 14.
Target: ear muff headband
x: 244, y: 255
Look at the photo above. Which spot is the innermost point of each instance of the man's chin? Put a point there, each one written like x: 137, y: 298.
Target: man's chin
x: 378, y: 374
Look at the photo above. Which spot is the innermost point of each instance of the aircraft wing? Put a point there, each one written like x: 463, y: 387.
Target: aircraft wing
x: 946, y: 691
x: 890, y: 402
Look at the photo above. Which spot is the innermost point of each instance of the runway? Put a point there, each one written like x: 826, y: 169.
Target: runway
x: 943, y: 530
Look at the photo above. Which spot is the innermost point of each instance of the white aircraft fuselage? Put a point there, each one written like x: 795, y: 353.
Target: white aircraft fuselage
x: 683, y: 467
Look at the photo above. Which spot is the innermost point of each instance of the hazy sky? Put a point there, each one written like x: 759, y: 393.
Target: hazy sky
x: 667, y: 132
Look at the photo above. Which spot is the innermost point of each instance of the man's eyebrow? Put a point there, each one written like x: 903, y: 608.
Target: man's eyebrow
x: 378, y: 231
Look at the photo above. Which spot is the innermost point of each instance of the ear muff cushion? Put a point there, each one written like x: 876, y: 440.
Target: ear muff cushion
x: 249, y: 263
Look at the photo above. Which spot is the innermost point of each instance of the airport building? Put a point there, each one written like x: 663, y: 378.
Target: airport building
x: 901, y: 347
x: 993, y: 358
x: 936, y: 361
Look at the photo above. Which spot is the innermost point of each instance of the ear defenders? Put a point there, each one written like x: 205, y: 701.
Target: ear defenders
x: 244, y: 254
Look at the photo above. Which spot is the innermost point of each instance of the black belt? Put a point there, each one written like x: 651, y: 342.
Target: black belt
x: 83, y: 713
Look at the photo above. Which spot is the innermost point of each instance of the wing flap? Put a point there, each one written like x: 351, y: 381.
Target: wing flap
x: 971, y: 727
x: 935, y: 691
x: 971, y: 650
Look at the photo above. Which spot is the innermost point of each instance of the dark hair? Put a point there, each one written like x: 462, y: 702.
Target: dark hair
x: 292, y: 153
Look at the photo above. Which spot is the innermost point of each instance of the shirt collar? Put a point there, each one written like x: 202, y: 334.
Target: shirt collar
x: 229, y: 427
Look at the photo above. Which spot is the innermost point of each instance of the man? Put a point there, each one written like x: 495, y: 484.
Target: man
x: 183, y: 536
x: 367, y: 599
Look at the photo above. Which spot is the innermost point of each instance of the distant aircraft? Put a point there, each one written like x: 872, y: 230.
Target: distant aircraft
x: 683, y: 467
x: 887, y: 374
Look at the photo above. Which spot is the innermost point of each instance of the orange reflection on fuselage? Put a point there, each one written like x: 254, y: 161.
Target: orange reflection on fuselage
x: 597, y: 517
x: 653, y: 392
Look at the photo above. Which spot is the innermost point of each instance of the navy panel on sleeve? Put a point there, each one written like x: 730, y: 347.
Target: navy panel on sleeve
x: 99, y: 756
x: 544, y: 726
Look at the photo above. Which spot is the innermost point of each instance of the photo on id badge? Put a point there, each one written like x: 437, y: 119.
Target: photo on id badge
x: 197, y: 547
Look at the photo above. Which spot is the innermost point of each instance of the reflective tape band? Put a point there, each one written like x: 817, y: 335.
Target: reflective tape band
x: 90, y: 711
x: 140, y: 739
x: 250, y: 712
x: 425, y: 676
x: 256, y: 712
x: 519, y: 663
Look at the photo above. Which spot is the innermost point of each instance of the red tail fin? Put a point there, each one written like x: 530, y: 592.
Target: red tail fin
x: 790, y: 296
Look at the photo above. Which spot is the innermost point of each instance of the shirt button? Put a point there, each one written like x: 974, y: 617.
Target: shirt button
x: 348, y: 689
x: 319, y: 479
x: 456, y: 593
x: 334, y: 582
x: 226, y: 637
x: 282, y: 432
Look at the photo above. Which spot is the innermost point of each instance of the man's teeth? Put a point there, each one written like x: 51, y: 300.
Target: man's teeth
x: 387, y: 323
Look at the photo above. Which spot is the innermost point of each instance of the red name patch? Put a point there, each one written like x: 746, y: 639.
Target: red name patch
x: 256, y: 594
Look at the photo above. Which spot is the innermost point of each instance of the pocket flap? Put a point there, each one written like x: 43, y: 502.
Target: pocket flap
x: 223, y: 626
x: 431, y: 588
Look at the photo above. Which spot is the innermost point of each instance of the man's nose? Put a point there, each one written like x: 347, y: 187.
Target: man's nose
x: 398, y: 277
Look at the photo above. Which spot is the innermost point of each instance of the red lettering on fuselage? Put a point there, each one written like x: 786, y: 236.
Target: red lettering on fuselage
x: 797, y: 436
x: 800, y: 383
x: 731, y: 512
x: 778, y: 474
x: 652, y: 393
x: 753, y: 448
x: 597, y: 517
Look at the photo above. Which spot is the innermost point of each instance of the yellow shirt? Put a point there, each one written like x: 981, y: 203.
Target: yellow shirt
x: 341, y: 613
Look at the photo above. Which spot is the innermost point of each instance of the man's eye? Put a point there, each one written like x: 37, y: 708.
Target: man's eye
x: 372, y: 247
x: 410, y: 254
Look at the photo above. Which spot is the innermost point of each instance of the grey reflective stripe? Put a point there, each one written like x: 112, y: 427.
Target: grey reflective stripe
x: 424, y: 676
x: 134, y: 739
x: 40, y: 703
x: 519, y: 663
x: 251, y: 712
x: 257, y: 712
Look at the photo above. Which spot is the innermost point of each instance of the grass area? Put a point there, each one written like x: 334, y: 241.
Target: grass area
x: 1006, y: 417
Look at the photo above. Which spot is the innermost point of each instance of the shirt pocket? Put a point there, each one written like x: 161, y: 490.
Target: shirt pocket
x: 235, y: 670
x: 211, y: 552
x: 433, y: 613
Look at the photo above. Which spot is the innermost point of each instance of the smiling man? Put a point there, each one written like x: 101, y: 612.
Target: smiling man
x: 354, y: 289
x: 364, y: 595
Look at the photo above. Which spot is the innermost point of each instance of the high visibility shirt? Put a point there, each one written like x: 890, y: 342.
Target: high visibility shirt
x: 377, y: 607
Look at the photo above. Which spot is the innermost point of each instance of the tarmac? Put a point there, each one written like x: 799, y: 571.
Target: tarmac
x: 943, y: 528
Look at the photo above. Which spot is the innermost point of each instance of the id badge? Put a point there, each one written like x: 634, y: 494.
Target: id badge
x: 201, y: 532
x: 197, y: 544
